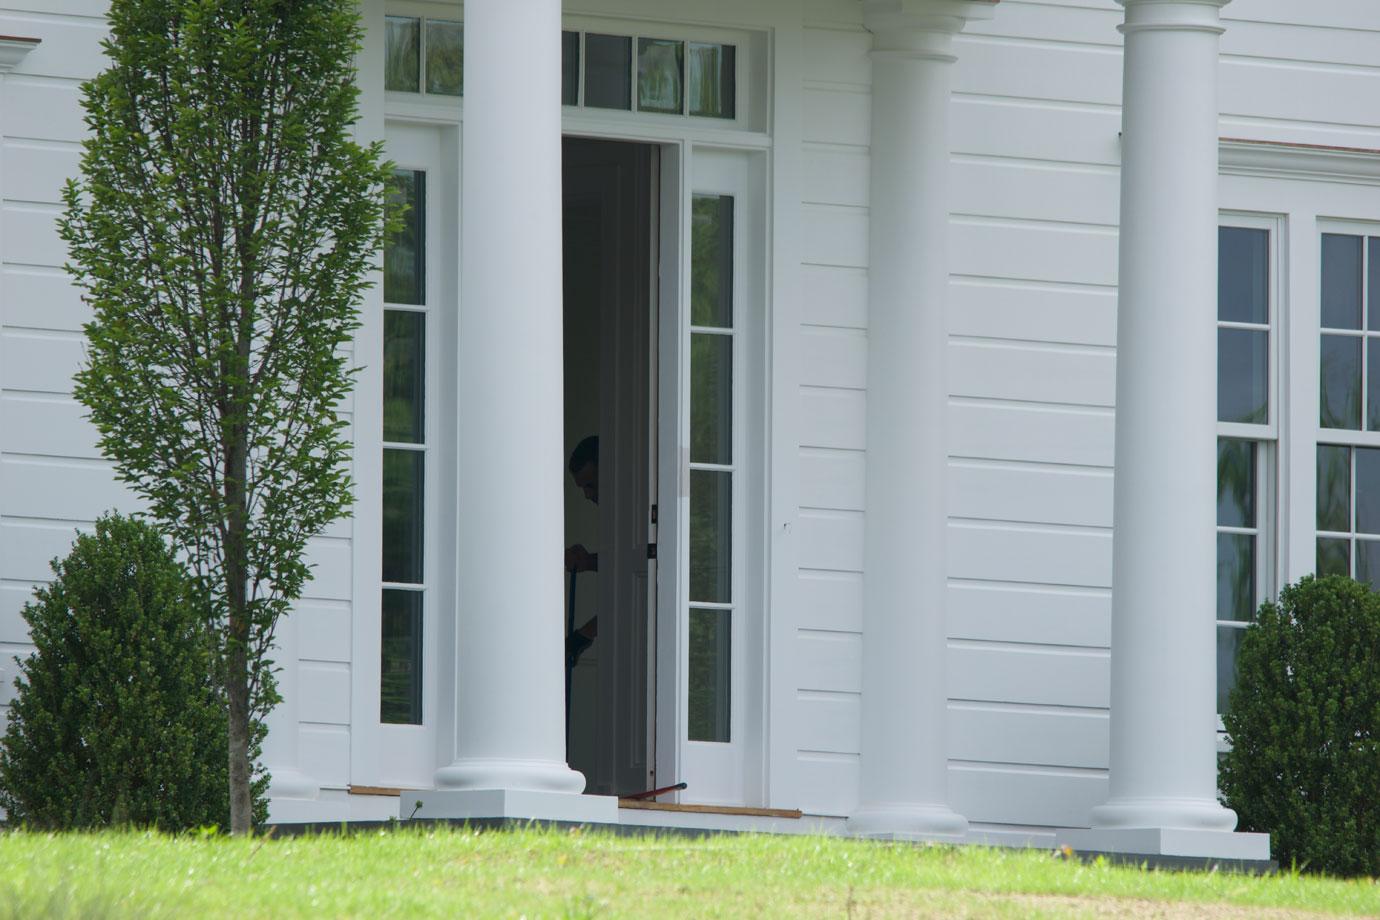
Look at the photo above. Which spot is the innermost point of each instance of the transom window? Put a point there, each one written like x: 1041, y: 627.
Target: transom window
x: 633, y: 73
x: 1246, y: 442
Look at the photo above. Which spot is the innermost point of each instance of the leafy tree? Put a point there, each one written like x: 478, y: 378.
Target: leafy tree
x: 115, y: 719
x: 224, y: 226
x: 1304, y: 722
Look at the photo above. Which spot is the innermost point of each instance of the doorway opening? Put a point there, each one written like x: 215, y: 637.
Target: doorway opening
x: 610, y: 353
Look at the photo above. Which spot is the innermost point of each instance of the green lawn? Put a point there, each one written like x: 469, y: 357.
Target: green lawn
x: 549, y: 873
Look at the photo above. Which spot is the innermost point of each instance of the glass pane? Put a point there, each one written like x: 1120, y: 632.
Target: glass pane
x: 710, y: 674
x: 1340, y: 365
x: 1334, y: 488
x: 1334, y: 556
x: 711, y: 398
x: 404, y: 376
x: 402, y: 516
x: 711, y: 261
x: 1373, y: 384
x: 1228, y: 642
x: 1235, y: 483
x: 1368, y: 563
x: 1367, y: 490
x: 608, y: 71
x: 1243, y: 376
x: 1341, y: 281
x: 713, y: 80
x: 400, y: 671
x: 1243, y: 275
x: 445, y: 57
x: 404, y: 255
x: 711, y: 536
x: 402, y: 53
x: 1373, y: 270
x: 660, y: 66
x: 1235, y: 576
x: 570, y: 68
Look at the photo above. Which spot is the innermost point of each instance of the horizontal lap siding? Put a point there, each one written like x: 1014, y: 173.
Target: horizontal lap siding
x: 827, y: 653
x: 53, y: 479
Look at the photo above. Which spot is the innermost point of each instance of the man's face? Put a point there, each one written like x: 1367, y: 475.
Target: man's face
x: 587, y: 480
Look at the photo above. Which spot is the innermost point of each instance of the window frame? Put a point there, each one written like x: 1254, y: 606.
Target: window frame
x: 1267, y: 437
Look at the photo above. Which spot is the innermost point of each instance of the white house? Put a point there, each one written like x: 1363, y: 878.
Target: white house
x: 845, y: 287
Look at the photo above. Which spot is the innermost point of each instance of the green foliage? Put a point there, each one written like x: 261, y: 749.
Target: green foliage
x: 223, y: 227
x: 116, y: 720
x: 1304, y: 721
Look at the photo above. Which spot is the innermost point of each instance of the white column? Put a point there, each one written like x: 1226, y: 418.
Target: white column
x: 510, y: 698
x: 904, y: 780
x: 1163, y: 721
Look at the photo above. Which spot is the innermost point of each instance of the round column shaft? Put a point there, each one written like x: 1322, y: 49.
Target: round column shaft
x: 510, y: 637
x: 1163, y: 724
x: 904, y: 778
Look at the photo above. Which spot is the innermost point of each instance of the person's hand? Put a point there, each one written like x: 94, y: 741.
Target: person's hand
x: 579, y: 559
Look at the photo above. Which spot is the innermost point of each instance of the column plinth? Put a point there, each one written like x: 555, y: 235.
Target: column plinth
x: 1163, y: 756
x: 903, y: 790
x: 510, y: 688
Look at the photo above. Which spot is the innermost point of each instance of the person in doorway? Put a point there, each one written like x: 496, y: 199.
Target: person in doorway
x: 584, y: 470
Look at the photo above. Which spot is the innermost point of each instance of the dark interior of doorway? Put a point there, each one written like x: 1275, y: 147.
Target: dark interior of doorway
x: 610, y: 355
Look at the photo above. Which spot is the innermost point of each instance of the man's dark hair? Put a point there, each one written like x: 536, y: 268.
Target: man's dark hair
x: 585, y: 453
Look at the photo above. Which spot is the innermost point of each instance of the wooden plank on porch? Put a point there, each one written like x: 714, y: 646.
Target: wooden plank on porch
x: 640, y: 805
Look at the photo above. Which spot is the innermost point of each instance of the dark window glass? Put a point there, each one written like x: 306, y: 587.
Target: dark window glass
x: 608, y: 71
x: 402, y: 53
x: 711, y: 536
x: 1373, y: 270
x: 1235, y: 576
x: 404, y: 255
x: 1368, y: 563
x: 711, y: 260
x: 1334, y: 488
x: 712, y: 80
x: 1340, y: 384
x: 404, y: 376
x: 1228, y: 643
x: 1235, y: 483
x: 711, y: 398
x: 1367, y: 498
x: 1334, y: 556
x: 710, y: 675
x: 445, y: 57
x: 570, y: 68
x: 402, y: 516
x: 400, y: 667
x: 1341, y: 281
x: 1243, y: 376
x: 1243, y: 275
x: 660, y: 75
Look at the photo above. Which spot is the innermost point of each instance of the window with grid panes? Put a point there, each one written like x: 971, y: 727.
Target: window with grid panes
x: 404, y: 453
x: 1246, y: 436
x: 1348, y: 471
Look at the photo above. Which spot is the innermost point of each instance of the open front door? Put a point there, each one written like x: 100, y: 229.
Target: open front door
x: 609, y: 369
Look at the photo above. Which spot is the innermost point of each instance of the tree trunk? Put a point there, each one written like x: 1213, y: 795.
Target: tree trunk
x: 237, y: 649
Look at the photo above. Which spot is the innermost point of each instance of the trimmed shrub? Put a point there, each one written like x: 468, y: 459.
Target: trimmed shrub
x: 1304, y: 722
x: 116, y: 720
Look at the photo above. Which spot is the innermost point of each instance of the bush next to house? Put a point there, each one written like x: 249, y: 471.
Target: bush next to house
x: 116, y: 720
x: 1304, y: 723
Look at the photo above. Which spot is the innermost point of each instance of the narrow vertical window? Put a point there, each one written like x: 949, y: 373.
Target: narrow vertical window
x: 1342, y: 352
x: 402, y: 59
x: 712, y: 600
x: 1348, y: 541
x: 404, y: 454
x: 1245, y: 446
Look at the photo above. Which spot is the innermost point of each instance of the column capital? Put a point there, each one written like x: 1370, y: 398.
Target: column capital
x: 920, y: 28
x: 1172, y: 16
